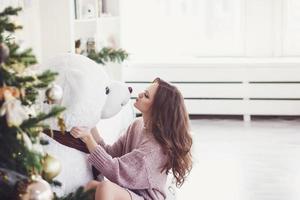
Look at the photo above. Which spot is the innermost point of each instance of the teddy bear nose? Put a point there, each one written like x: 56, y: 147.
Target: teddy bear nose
x: 130, y: 89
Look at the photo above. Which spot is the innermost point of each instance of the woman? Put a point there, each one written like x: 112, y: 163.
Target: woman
x: 157, y: 143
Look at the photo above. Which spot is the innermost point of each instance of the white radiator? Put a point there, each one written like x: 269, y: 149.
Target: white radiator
x: 226, y: 86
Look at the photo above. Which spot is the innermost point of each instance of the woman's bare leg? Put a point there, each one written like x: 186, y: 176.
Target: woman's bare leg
x: 91, y: 185
x: 107, y: 190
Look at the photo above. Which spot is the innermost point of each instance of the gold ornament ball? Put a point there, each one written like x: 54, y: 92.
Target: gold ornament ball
x: 51, y: 167
x: 39, y: 189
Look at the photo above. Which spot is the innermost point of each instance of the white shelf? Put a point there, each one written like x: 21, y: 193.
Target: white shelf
x: 103, y: 18
x: 61, y: 29
x: 102, y: 29
x: 85, y: 20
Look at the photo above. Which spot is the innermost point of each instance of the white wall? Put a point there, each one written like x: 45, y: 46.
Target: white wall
x: 243, y: 28
x: 47, y: 26
x: 56, y: 27
x: 217, y: 28
x: 29, y: 18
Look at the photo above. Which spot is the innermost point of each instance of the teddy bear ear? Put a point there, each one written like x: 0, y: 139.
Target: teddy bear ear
x: 107, y: 90
x: 130, y: 89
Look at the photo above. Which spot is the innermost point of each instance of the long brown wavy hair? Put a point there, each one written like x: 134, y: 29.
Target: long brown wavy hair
x: 170, y: 127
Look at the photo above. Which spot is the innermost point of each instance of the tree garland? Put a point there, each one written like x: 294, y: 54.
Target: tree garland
x: 107, y: 54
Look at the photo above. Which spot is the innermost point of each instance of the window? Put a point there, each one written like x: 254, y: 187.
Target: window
x: 222, y: 28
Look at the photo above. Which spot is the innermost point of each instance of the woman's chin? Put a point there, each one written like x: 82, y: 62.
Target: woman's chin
x: 136, y: 106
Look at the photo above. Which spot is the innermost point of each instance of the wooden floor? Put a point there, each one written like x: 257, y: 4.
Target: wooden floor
x: 234, y: 160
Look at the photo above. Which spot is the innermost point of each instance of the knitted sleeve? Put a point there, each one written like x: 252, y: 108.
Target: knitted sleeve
x: 115, y: 150
x: 129, y: 170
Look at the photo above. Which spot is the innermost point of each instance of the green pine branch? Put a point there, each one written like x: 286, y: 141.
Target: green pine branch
x: 108, y: 55
x: 10, y: 11
x: 55, y: 111
x: 40, y: 81
x: 28, y: 161
x: 5, y: 24
x: 15, y: 155
x: 16, y: 56
x: 47, y: 77
x: 30, y: 84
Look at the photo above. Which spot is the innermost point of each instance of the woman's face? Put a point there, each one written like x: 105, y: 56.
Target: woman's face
x: 145, y: 99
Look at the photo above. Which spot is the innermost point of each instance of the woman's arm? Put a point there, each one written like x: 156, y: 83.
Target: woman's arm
x: 130, y: 170
x: 90, y: 142
x: 90, y: 139
x: 96, y: 135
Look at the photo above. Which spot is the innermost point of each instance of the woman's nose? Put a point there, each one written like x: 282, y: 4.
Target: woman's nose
x: 140, y: 95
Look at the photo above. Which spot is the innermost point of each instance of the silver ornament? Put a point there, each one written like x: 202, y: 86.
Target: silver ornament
x: 13, y: 109
x: 54, y: 93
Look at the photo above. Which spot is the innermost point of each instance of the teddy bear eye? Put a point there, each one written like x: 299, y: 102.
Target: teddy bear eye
x: 106, y: 90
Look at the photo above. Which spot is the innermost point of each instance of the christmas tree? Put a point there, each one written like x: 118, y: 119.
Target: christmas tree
x: 24, y: 166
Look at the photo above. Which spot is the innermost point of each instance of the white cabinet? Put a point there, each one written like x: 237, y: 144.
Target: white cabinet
x: 64, y: 22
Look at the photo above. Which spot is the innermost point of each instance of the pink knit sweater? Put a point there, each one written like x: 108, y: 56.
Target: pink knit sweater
x: 133, y: 162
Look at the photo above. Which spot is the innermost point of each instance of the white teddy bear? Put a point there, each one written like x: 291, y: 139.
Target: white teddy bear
x: 88, y: 95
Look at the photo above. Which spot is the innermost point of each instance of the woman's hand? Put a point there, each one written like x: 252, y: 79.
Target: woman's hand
x: 80, y: 132
x: 84, y: 133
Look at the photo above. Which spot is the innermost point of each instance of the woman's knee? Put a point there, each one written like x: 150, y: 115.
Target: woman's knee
x: 105, y: 186
x: 109, y: 189
x: 91, y: 185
